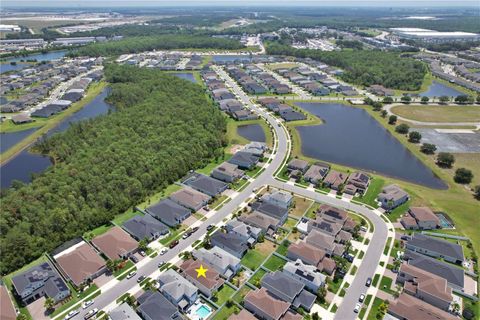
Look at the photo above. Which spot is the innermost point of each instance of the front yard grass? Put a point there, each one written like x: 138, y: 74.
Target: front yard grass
x: 312, y: 212
x: 386, y: 285
x: 274, y: 263
x: 257, y: 277
x: 74, y: 299
x: 376, y: 185
x: 217, y: 201
x: 222, y: 295
x: 374, y: 310
x: 128, y: 264
x: 173, y: 235
x: 333, y: 285
x: 225, y: 312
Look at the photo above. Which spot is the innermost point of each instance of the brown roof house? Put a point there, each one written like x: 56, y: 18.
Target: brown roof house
x: 335, y: 179
x: 305, y: 252
x: 242, y: 315
x: 316, y: 173
x: 357, y: 182
x: 80, y: 263
x: 207, y: 285
x: 322, y: 241
x: 190, y: 198
x: 422, y: 218
x: 115, y: 244
x: 425, y: 286
x: 264, y: 306
x: 411, y: 308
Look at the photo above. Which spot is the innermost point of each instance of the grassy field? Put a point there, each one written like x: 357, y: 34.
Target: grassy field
x: 283, y: 248
x: 38, y: 25
x: 300, y: 206
x: 374, y: 310
x: 470, y: 161
x: 92, y: 92
x: 274, y: 263
x: 283, y: 65
x: 89, y: 235
x: 438, y: 113
x: 9, y: 126
x: 120, y: 219
x: 370, y: 197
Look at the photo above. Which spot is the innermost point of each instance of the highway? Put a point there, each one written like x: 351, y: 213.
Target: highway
x: 281, y: 151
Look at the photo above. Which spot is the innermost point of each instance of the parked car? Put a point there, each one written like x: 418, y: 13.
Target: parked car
x: 173, y: 244
x: 142, y: 253
x: 194, y: 230
x: 163, y: 251
x: 349, y: 257
x: 363, y: 228
x: 369, y: 282
x: 134, y: 259
x: 340, y: 273
x: 210, y: 227
x: 404, y: 237
x: 362, y: 298
x: 71, y: 314
x: 186, y: 235
x: 141, y: 278
x: 87, y: 304
x: 358, y: 306
x: 131, y: 274
x: 91, y: 313
x: 161, y: 264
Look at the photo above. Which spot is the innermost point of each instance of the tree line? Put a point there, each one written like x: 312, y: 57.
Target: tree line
x: 161, y: 42
x: 162, y: 128
x: 365, y: 67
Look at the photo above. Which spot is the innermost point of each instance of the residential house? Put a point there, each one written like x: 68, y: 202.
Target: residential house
x: 409, y: 307
x: 392, y: 196
x: 256, y: 148
x: 242, y: 315
x: 227, y: 172
x: 190, y: 198
x: 208, y: 284
x: 145, y: 227
x: 316, y: 173
x: 309, y: 275
x: 278, y: 198
x: 226, y: 264
x: 260, y: 220
x: 274, y: 211
x: 322, y: 241
x: 115, y: 244
x: 454, y: 275
x: 152, y: 305
x: 327, y: 265
x: 229, y: 242
x: 124, y: 312
x: 335, y: 180
x: 244, y: 160
x: 425, y: 286
x: 325, y: 226
x: 332, y: 213
x: 436, y: 248
x: 247, y: 232
x: 80, y: 263
x: 170, y: 212
x: 177, y: 289
x: 297, y: 164
x: 422, y: 218
x: 357, y: 182
x: 7, y: 309
x: 284, y: 287
x: 21, y: 119
x: 264, y: 306
x: 40, y: 281
x: 206, y: 184
x: 305, y: 252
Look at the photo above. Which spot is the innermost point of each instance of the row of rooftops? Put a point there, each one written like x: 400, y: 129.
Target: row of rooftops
x: 285, y: 111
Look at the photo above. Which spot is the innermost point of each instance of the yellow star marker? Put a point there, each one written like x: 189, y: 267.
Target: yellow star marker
x: 201, y: 272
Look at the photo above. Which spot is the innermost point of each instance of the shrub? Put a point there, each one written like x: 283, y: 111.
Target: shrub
x: 402, y: 128
x: 445, y: 159
x: 428, y: 148
x: 463, y: 176
x: 414, y: 137
x: 392, y: 119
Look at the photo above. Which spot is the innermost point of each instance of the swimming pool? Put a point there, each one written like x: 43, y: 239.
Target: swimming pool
x: 203, y: 312
x: 444, y: 223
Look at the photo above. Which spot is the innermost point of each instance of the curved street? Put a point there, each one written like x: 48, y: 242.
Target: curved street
x: 281, y: 150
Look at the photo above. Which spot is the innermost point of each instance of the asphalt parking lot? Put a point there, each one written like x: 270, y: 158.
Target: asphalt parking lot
x: 454, y: 142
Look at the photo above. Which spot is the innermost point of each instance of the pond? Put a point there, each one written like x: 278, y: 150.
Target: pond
x: 185, y: 75
x: 437, y: 89
x: 5, y: 66
x: 25, y: 163
x: 9, y: 139
x: 351, y: 137
x: 252, y: 132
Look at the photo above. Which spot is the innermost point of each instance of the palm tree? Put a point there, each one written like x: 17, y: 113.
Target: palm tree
x: 49, y: 303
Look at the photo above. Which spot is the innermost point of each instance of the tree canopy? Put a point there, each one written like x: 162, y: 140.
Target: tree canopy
x: 162, y: 128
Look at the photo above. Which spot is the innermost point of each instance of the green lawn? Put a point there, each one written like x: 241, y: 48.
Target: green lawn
x: 375, y: 280
x: 240, y: 295
x: 215, y: 163
x: 376, y: 185
x: 173, y: 235
x: 290, y: 223
x: 300, y: 206
x: 364, y: 307
x: 217, y: 201
x: 159, y: 195
x: 128, y: 264
x: 223, y: 295
x: 274, y: 263
x: 257, y: 276
x: 253, y: 259
x: 428, y: 113
x: 386, y: 285
x: 333, y: 285
x: 374, y: 310
x: 75, y: 300
x: 224, y: 313
x: 251, y: 173
x: 399, y: 211
x: 311, y: 213
x: 120, y: 219
x: 283, y: 248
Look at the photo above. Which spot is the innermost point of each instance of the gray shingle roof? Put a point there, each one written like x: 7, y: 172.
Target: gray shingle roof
x: 272, y: 210
x: 124, y: 312
x: 445, y: 248
x: 172, y: 283
x: 156, y: 306
x: 231, y: 242
x: 168, y: 211
x: 141, y: 227
x: 282, y: 285
x: 207, y: 185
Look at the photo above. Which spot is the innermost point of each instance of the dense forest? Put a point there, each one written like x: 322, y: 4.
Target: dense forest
x: 161, y: 42
x: 162, y: 127
x: 365, y: 67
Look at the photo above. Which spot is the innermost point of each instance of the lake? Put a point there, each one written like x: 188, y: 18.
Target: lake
x: 252, y: 132
x: 5, y: 66
x: 9, y: 139
x: 437, y: 89
x: 351, y: 137
x: 185, y: 75
x: 25, y: 163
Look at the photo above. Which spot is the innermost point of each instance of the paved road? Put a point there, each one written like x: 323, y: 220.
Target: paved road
x: 371, y: 258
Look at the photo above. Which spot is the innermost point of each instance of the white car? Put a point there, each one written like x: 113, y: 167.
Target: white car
x: 91, y: 313
x: 362, y: 298
x: 87, y: 304
x: 71, y: 314
x: 358, y: 306
x: 131, y: 274
x: 163, y: 251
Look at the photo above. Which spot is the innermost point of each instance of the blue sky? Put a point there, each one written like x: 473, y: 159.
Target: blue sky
x: 276, y: 3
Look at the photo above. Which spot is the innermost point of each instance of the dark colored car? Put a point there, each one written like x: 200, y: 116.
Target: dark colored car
x: 194, y: 230
x: 141, y: 278
x: 210, y: 227
x: 173, y: 244
x: 134, y: 259
x: 369, y: 282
